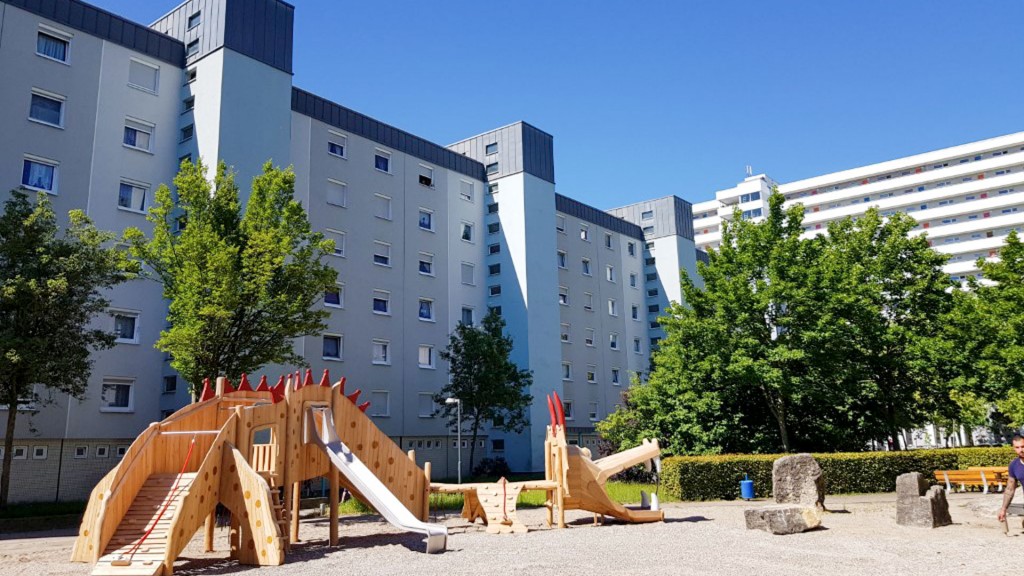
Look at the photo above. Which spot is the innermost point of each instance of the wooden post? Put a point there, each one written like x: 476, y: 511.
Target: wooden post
x: 219, y: 387
x: 332, y: 478
x: 296, y: 496
x: 426, y: 495
x: 208, y: 531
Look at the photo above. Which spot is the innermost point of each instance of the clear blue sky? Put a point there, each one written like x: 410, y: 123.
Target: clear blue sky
x: 657, y: 98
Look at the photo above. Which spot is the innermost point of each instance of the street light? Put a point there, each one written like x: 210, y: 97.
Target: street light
x: 458, y: 429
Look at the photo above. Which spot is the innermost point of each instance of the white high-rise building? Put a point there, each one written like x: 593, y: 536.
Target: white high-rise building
x: 966, y: 198
x: 99, y: 111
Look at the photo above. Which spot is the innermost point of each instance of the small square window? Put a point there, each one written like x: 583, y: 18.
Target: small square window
x: 170, y: 384
x: 20, y: 452
x: 591, y: 374
x: 52, y: 46
x: 382, y: 161
x: 132, y: 197
x: 187, y: 133
x: 188, y: 104
x: 426, y: 309
x: 337, y: 193
x: 102, y: 451
x: 126, y: 329
x: 593, y: 412
x: 494, y: 290
x: 382, y: 254
x: 468, y: 274
x: 143, y: 76
x: 194, y: 20
x: 39, y: 175
x: 493, y: 248
x: 39, y: 452
x: 492, y: 208
x: 190, y: 75
x: 381, y: 353
x: 138, y: 135
x: 493, y: 228
x: 492, y: 188
x: 585, y: 233
x: 493, y: 269
x: 47, y: 109
x: 81, y: 451
x: 332, y: 347
x: 192, y: 48
x: 339, y: 242
x: 426, y: 356
x: 336, y: 147
x: 116, y: 395
x: 492, y: 168
x: 426, y: 264
x: 426, y: 176
x: 335, y: 297
x: 120, y: 451
x: 491, y: 148
x: 647, y: 215
x: 381, y: 302
x: 466, y: 190
x: 382, y: 206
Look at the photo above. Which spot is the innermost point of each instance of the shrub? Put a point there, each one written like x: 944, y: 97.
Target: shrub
x: 717, y: 477
x: 492, y: 468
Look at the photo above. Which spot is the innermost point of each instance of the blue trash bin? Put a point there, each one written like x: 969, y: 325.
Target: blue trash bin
x: 746, y: 488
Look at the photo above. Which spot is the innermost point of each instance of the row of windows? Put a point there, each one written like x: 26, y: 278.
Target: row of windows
x: 588, y: 301
x: 609, y: 239
x: 585, y: 268
x: 591, y: 375
x: 42, y: 452
x: 334, y: 349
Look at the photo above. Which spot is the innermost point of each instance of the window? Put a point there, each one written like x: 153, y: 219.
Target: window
x: 608, y: 241
x: 467, y: 316
x: 615, y: 376
x: 126, y: 327
x: 649, y: 261
x: 613, y: 341
x: 651, y: 276
x: 116, y: 395
x: 170, y: 384
x: 491, y: 149
x: 631, y: 248
x: 466, y: 190
x: 585, y: 233
x: 593, y: 412
x: 426, y: 264
x: 339, y: 242
x: 426, y: 220
x: 636, y: 345
x: 188, y: 104
x: 494, y: 290
x: 588, y: 301
x: 585, y: 266
x: 143, y: 76
x: 382, y: 161
x: 138, y: 135
x: 337, y: 193
x: 132, y: 197
x: 335, y: 297
x: 381, y: 302
x: 194, y: 20
x: 588, y: 337
x: 81, y: 451
x: 652, y: 292
x: 332, y: 347
x: 426, y: 356
x: 468, y: 273
x: 493, y: 248
x: 492, y: 188
x: 634, y: 312
x: 380, y: 403
x: 647, y: 215
x: 492, y: 168
x: 648, y: 230
x: 102, y: 451
x: 192, y: 48
x: 382, y: 206
x: 493, y: 269
x: 20, y: 452
x: 190, y: 75
x: 561, y: 259
x: 591, y: 373
x: 632, y: 280
x: 566, y: 371
x: 39, y: 175
x: 467, y: 232
x: 187, y: 133
x: 39, y: 452
x: 47, y: 108
x: 560, y: 223
x: 498, y: 445
x: 563, y: 295
x: 493, y: 228
x: 382, y: 253
x: 381, y: 352
x: 53, y: 46
x: 567, y: 409
x: 426, y: 309
x: 426, y: 176
x: 613, y: 307
x: 337, y: 145
x: 564, y: 333
x: 610, y: 273
x: 427, y: 408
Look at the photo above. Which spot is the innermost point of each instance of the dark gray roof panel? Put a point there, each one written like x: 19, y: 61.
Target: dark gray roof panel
x: 702, y: 256
x: 100, y: 23
x: 262, y: 30
x: 588, y: 213
x: 684, y: 218
x: 336, y: 115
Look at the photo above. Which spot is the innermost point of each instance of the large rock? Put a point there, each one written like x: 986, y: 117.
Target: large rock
x: 783, y: 519
x: 797, y: 479
x: 918, y: 505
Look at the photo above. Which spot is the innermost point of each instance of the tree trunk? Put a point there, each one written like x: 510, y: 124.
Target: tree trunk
x: 5, y: 478
x: 472, y: 444
x: 778, y: 409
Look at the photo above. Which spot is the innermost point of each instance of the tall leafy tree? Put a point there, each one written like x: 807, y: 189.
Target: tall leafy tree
x: 51, y: 287
x: 491, y: 387
x: 241, y: 283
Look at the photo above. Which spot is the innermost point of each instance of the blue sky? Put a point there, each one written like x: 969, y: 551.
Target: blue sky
x: 650, y: 99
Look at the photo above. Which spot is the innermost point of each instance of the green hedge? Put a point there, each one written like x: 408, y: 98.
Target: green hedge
x: 718, y: 477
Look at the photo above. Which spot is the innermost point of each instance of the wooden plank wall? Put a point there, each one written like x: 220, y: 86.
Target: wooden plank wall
x: 247, y: 495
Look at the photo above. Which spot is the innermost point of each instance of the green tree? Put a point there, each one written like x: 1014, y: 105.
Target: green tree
x: 491, y: 387
x: 50, y: 289
x: 241, y: 284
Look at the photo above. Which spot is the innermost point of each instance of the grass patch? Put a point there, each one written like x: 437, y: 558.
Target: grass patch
x: 35, y: 509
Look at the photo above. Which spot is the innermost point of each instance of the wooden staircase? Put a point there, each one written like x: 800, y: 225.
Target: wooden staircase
x: 280, y: 512
x: 148, y: 558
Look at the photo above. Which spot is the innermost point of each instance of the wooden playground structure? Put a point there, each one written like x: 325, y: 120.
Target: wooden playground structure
x: 572, y: 481
x: 250, y: 449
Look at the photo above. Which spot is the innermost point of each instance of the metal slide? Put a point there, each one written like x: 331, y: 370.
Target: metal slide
x: 320, y: 431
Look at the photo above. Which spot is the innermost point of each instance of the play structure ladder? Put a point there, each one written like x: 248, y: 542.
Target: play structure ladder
x: 149, y: 556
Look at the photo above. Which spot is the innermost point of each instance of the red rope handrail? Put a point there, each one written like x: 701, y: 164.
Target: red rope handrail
x: 131, y: 552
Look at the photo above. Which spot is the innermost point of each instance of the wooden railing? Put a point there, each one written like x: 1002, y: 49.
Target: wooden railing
x: 264, y: 457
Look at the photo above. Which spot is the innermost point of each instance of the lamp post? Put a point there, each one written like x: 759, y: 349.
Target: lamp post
x: 458, y: 430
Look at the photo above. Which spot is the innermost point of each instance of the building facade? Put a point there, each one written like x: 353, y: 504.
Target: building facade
x: 99, y: 111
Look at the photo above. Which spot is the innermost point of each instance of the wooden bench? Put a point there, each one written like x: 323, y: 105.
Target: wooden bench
x: 999, y: 473
x: 978, y: 478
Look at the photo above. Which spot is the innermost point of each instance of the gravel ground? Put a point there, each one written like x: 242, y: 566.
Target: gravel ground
x: 859, y: 537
